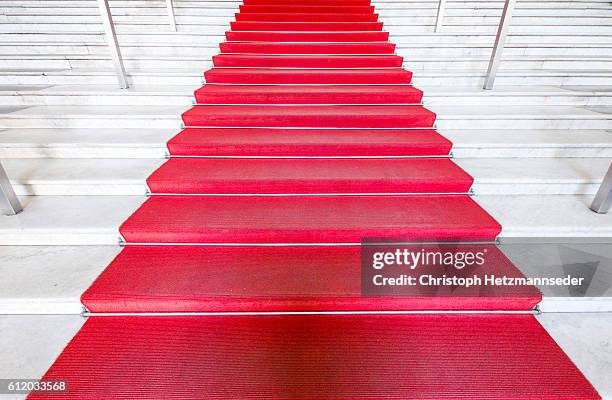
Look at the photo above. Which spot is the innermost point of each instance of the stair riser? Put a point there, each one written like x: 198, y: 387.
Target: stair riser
x: 193, y: 81
x: 161, y: 152
x: 139, y: 4
x: 400, y: 28
x: 235, y: 47
x: 220, y: 27
x: 458, y: 65
x: 390, y: 17
x: 171, y: 123
x: 420, y: 80
x: 483, y: 123
x: 107, y: 122
x: 320, y: 61
x: 187, y: 100
x: 410, y: 64
x: 526, y: 151
x: 196, y: 81
x: 83, y: 152
x: 306, y: 48
x: 384, y: 9
x: 509, y: 100
x: 96, y: 100
x: 139, y: 189
x: 487, y: 40
x: 197, y: 39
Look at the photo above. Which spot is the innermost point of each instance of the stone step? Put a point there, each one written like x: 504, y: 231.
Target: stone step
x: 141, y: 95
x: 94, y: 220
x: 151, y: 143
x: 119, y: 177
x: 193, y: 77
x: 449, y: 117
x: 460, y: 39
x: 91, y: 117
x: 416, y: 51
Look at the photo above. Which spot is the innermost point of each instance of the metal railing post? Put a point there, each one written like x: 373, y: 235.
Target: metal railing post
x: 171, y: 17
x: 603, y: 199
x: 500, y: 41
x: 113, y: 44
x: 440, y: 15
x: 9, y: 203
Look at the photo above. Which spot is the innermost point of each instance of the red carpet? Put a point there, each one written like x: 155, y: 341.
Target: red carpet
x: 307, y: 219
x: 307, y: 61
x: 317, y: 357
x: 285, y: 278
x: 269, y: 8
x: 312, y: 116
x: 302, y: 140
x: 308, y: 94
x: 390, y: 76
x: 306, y: 36
x: 306, y: 17
x: 305, y: 26
x: 308, y: 48
x: 309, y: 176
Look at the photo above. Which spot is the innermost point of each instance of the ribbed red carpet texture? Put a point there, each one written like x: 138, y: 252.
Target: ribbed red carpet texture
x: 307, y: 139
x: 318, y: 357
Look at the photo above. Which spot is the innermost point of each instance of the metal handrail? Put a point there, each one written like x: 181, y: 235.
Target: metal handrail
x: 9, y: 203
x: 500, y: 38
x: 171, y: 16
x: 500, y: 42
x: 113, y: 44
x: 440, y: 15
x: 603, y: 199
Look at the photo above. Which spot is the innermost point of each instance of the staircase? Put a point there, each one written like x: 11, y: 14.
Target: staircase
x: 80, y: 150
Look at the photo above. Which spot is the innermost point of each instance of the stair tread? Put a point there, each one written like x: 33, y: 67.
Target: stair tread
x: 304, y: 26
x: 301, y: 8
x: 80, y: 176
x: 271, y: 350
x: 300, y: 142
x: 306, y: 17
x: 91, y: 220
x: 49, y: 279
x: 308, y: 94
x: 280, y: 279
x: 307, y: 36
x: 307, y: 76
x: 342, y: 116
x: 299, y: 176
x: 306, y: 219
x: 306, y: 48
x: 88, y: 111
x: 307, y: 61
x: 68, y: 271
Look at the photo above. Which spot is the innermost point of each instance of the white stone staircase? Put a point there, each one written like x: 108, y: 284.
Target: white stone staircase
x: 78, y: 149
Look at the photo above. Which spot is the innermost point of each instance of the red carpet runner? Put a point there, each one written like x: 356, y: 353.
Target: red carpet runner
x: 302, y: 81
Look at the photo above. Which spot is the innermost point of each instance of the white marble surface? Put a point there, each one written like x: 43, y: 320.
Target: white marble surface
x: 536, y: 175
x: 31, y: 343
x: 546, y: 216
x: 84, y: 143
x: 49, y: 279
x: 47, y: 176
x: 68, y: 220
x: 529, y: 143
x: 522, y: 117
x: 91, y: 117
x: 587, y: 340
